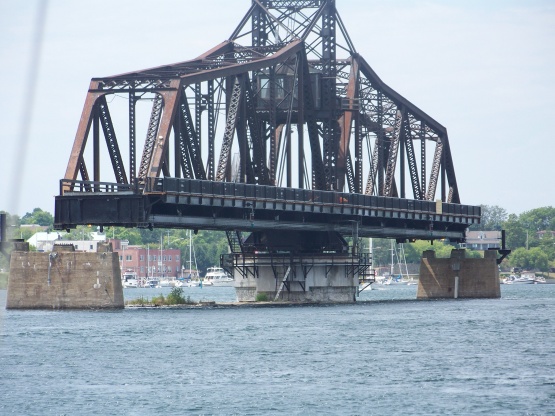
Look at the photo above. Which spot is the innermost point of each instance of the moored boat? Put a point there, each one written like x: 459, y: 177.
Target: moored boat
x: 129, y: 280
x: 152, y: 283
x: 519, y: 280
x: 216, y: 276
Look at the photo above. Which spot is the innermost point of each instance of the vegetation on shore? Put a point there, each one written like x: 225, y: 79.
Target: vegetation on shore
x: 261, y: 297
x: 175, y: 297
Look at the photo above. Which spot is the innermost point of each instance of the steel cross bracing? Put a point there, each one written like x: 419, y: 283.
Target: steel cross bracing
x: 288, y: 97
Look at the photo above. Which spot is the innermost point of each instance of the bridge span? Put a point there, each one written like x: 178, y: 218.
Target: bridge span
x: 283, y: 131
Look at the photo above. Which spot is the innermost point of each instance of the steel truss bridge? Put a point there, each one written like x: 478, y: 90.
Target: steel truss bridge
x: 281, y: 130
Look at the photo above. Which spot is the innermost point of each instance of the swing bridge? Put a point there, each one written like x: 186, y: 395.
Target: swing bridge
x: 283, y: 136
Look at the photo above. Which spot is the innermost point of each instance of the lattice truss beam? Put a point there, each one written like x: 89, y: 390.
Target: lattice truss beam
x: 273, y: 105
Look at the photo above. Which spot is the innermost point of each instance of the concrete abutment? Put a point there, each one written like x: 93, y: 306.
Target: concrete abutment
x: 458, y: 276
x: 65, y: 279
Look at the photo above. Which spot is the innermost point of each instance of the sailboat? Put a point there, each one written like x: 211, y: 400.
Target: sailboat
x: 192, y: 278
x: 400, y: 259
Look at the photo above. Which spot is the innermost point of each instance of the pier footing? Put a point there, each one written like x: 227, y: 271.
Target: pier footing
x: 291, y: 266
x: 458, y: 276
x: 65, y: 279
x: 296, y: 279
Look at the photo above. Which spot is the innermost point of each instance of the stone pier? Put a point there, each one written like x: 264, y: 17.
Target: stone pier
x: 458, y: 276
x: 65, y: 279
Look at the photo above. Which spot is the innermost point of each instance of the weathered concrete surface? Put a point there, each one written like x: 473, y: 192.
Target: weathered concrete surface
x: 64, y: 280
x: 323, y: 283
x: 477, y: 278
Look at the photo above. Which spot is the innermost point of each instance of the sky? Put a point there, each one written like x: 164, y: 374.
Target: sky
x: 484, y: 69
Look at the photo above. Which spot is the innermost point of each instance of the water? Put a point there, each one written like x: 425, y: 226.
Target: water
x: 392, y: 355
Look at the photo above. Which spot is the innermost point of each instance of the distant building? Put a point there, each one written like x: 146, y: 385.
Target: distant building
x: 44, y: 241
x: 545, y: 234
x: 148, y: 263
x: 483, y: 240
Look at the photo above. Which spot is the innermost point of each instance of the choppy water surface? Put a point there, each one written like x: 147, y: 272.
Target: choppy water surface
x: 392, y: 355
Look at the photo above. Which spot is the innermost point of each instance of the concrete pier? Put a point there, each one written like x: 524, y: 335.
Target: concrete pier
x: 296, y: 279
x: 65, y: 279
x: 458, y: 276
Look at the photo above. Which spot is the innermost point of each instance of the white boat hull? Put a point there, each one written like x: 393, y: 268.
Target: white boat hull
x: 519, y: 280
x: 216, y: 276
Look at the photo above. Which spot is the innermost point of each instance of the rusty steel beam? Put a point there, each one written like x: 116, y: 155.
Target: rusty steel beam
x: 345, y: 123
x: 170, y: 108
x: 76, y: 156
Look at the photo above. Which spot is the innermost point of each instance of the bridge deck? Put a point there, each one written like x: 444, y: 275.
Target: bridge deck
x: 203, y: 204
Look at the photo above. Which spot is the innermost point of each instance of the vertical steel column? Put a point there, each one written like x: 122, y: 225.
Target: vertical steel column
x: 96, y: 144
x: 442, y: 175
x: 198, y: 115
x: 329, y: 73
x: 380, y: 146
x: 402, y: 144
x: 358, y: 150
x: 242, y: 138
x: 272, y: 116
x: 259, y: 27
x: 132, y: 138
x: 423, y: 159
x: 211, y: 130
x: 230, y: 124
x: 178, y: 135
x: 300, y: 118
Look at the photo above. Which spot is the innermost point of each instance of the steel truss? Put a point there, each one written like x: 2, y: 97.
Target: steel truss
x: 285, y: 102
x: 286, y: 84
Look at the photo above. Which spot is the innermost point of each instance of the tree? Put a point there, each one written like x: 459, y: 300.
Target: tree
x: 515, y: 232
x: 531, y: 259
x: 38, y: 216
x: 493, y: 217
x: 539, y: 219
x: 81, y: 232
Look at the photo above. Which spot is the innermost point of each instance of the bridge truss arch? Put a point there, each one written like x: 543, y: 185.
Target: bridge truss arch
x: 286, y: 103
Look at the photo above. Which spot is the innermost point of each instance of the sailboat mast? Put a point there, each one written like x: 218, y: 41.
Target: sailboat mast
x: 392, y: 259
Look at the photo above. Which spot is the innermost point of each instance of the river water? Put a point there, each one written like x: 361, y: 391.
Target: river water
x: 389, y: 354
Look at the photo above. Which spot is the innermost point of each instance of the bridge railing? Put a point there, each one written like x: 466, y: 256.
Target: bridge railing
x: 69, y: 186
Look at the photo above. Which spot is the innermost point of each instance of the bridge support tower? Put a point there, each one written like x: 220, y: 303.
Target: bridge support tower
x: 296, y: 267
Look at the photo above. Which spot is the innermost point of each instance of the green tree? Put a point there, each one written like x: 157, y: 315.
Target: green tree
x: 539, y: 219
x: 209, y: 245
x: 81, y: 232
x: 533, y: 259
x: 493, y: 217
x: 38, y: 216
x: 515, y: 232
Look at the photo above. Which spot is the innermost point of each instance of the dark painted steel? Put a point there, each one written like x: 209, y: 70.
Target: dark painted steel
x: 297, y: 116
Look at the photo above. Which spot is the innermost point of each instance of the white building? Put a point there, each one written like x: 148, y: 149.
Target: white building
x: 45, y: 241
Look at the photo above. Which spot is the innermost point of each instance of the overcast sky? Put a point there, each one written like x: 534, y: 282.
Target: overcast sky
x: 483, y: 69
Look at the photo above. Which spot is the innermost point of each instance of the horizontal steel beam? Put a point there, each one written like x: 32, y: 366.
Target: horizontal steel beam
x: 344, y: 228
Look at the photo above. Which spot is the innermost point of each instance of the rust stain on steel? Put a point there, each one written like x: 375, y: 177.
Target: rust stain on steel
x: 82, y: 133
